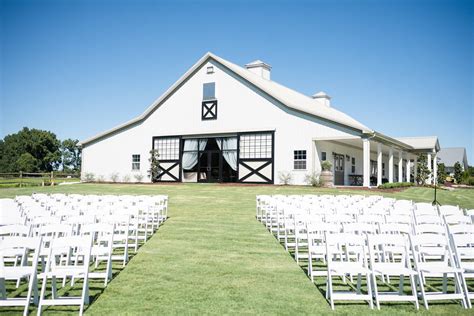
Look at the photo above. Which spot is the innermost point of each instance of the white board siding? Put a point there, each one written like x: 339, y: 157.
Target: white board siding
x: 241, y: 107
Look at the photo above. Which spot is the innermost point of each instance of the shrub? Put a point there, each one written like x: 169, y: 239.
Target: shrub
x: 326, y: 165
x: 441, y: 173
x: 395, y: 185
x: 88, y: 177
x: 114, y: 176
x: 458, y: 172
x: 285, y: 177
x: 422, y: 168
x: 154, y: 164
x: 126, y: 178
x: 138, y: 177
x: 312, y: 179
x: 468, y: 180
x: 100, y: 178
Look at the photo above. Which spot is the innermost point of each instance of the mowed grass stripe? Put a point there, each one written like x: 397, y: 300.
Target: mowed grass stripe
x: 212, y: 259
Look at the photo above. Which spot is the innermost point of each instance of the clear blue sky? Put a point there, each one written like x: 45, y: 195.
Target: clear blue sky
x: 404, y: 68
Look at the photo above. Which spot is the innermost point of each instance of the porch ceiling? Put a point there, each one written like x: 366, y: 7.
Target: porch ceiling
x: 356, y: 143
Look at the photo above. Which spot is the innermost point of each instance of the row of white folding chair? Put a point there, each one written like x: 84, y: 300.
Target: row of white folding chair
x: 88, y: 199
x: 67, y: 257
x: 143, y: 222
x: 155, y: 217
x: 101, y: 234
x: 50, y: 228
x: 289, y: 199
x: 359, y: 228
x: 299, y: 229
x: 346, y: 256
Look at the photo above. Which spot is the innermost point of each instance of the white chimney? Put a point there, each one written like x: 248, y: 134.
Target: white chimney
x: 323, y: 98
x: 260, y: 68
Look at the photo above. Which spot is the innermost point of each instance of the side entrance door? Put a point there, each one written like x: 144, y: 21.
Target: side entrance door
x: 338, y: 169
x: 210, y: 166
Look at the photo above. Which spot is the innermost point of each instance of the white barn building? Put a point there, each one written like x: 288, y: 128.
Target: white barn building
x: 224, y: 123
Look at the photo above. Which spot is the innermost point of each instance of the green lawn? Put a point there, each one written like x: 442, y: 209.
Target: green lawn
x: 213, y: 257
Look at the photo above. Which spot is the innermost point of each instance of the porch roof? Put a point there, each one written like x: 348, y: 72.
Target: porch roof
x: 409, y: 144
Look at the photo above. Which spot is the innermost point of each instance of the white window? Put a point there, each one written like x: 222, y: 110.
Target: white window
x: 256, y: 146
x: 209, y: 91
x: 299, y: 162
x: 135, y: 162
x: 210, y: 69
x: 168, y: 148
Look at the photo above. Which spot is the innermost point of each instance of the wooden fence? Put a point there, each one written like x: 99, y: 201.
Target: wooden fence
x: 22, y: 179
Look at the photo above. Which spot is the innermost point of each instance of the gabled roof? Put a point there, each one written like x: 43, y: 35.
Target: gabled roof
x: 292, y: 98
x: 422, y: 142
x: 449, y: 156
x: 288, y: 97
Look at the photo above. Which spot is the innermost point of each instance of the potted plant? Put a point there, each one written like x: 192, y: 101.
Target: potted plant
x: 327, y: 179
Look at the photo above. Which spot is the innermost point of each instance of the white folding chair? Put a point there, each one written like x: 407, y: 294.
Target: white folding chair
x: 359, y: 228
x: 428, y: 219
x: 425, y: 209
x: 19, y: 249
x: 395, y: 228
x: 433, y: 258
x: 390, y: 256
x: 457, y: 219
x: 462, y: 241
x: 317, y: 245
x: 120, y: 243
x: 346, y: 256
x: 448, y: 210
x: 68, y: 257
x: 102, y: 242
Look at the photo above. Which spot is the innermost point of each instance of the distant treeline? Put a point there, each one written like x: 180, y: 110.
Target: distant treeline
x: 35, y: 150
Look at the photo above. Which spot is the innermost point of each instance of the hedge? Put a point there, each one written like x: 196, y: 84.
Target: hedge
x: 396, y: 185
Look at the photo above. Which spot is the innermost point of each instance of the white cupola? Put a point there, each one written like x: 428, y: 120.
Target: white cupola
x: 322, y: 97
x: 260, y: 68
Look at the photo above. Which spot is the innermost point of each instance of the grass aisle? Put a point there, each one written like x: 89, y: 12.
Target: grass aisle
x: 213, y: 257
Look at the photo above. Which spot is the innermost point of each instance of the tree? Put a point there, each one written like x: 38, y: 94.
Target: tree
x: 458, y: 172
x: 422, y: 170
x: 27, y: 163
x: 71, y: 155
x: 154, y: 170
x: 42, y: 145
x: 441, y: 173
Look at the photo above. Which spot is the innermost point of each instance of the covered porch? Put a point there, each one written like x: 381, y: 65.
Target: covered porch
x: 366, y: 161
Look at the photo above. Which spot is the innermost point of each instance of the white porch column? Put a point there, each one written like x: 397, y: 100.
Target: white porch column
x: 408, y: 171
x: 415, y: 168
x: 400, y: 166
x: 366, y: 162
x: 428, y: 157
x: 379, y: 164
x: 390, y: 165
x: 435, y: 168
